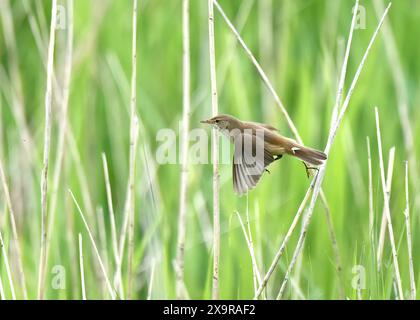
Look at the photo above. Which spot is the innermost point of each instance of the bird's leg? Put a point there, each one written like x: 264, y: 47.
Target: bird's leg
x: 307, y: 168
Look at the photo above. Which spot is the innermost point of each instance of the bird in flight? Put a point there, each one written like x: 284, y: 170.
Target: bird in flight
x: 256, y: 146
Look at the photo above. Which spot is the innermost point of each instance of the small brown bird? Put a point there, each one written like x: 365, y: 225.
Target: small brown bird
x: 256, y: 146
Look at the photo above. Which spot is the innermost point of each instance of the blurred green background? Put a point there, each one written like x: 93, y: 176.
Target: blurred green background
x: 300, y: 44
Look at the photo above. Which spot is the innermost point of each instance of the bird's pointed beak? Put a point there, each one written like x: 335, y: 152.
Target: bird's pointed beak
x: 206, y: 121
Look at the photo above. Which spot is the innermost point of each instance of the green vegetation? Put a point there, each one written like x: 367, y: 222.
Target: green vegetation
x: 300, y: 45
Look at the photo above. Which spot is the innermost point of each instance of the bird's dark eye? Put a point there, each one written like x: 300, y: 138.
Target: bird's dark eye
x: 217, y: 121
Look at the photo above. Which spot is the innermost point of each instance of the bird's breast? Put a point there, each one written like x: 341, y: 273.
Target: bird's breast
x: 275, y: 149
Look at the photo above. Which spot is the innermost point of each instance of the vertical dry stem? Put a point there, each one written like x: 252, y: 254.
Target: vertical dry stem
x: 215, y: 155
x: 182, y: 220
x: 46, y: 153
x: 6, y: 263
x: 82, y: 269
x: 409, y: 243
x: 387, y: 210
x: 371, y: 215
x: 285, y: 241
x: 117, y: 279
x: 382, y: 231
x: 133, y: 143
x: 95, y: 248
x: 64, y: 101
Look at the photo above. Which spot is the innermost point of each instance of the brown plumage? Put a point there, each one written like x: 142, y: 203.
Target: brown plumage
x: 248, y: 163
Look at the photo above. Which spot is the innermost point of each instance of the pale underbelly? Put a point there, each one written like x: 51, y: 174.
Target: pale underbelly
x: 275, y: 150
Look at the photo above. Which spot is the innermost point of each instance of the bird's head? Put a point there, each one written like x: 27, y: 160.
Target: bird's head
x: 222, y: 122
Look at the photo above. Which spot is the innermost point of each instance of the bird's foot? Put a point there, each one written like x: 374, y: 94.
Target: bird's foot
x: 308, y: 168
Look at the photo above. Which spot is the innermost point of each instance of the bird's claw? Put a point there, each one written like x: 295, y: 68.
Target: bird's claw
x: 307, y: 168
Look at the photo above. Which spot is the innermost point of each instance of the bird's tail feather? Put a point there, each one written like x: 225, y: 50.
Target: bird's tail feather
x: 309, y: 155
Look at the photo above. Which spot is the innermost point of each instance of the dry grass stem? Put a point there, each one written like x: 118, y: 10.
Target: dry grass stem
x: 387, y: 209
x: 284, y: 242
x: 182, y: 219
x: 248, y: 239
x: 382, y: 231
x: 134, y: 130
x: 82, y: 269
x: 64, y: 102
x: 343, y: 72
x: 46, y: 153
x: 117, y: 279
x: 215, y: 155
x: 101, y: 235
x: 95, y: 248
x: 408, y: 231
x: 333, y: 239
x: 6, y: 263
x: 2, y: 296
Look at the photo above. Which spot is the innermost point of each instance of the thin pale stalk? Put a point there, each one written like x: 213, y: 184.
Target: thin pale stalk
x: 382, y: 232
x: 101, y: 235
x: 320, y: 176
x: 333, y: 238
x: 118, y: 279
x: 408, y: 231
x: 215, y: 155
x: 46, y: 153
x: 2, y: 296
x: 134, y: 129
x: 387, y: 209
x: 343, y: 72
x: 81, y: 174
x: 70, y: 239
x: 95, y: 248
x: 64, y: 101
x: 182, y: 219
x: 254, y: 266
x: 256, y: 273
x: 82, y: 269
x: 6, y: 263
x: 285, y: 241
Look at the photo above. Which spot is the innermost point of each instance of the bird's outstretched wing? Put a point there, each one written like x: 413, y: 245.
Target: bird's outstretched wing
x: 250, y: 160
